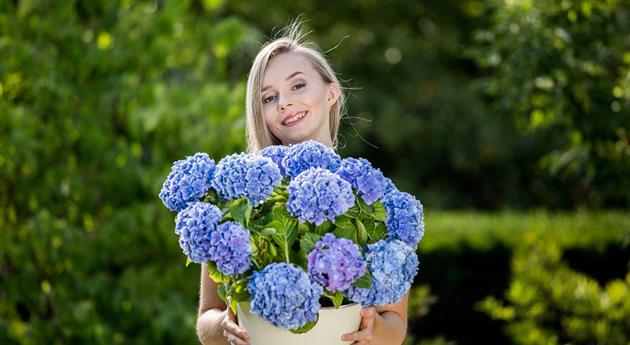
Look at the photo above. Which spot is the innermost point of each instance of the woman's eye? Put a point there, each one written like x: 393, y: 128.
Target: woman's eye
x: 301, y: 85
x: 267, y: 100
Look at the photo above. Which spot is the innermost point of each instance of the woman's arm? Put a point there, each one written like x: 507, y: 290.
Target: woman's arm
x: 385, y: 325
x: 214, y: 316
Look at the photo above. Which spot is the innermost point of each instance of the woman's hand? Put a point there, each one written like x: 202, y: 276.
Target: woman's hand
x: 231, y: 331
x: 364, y: 335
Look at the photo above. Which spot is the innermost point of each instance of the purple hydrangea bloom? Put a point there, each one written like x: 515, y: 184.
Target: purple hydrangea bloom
x: 194, y: 225
x: 276, y: 153
x: 188, y: 181
x: 246, y: 175
x: 309, y: 154
x: 335, y: 263
x: 393, y: 265
x: 405, y: 217
x: 318, y: 194
x: 284, y: 295
x: 368, y: 181
x: 230, y: 248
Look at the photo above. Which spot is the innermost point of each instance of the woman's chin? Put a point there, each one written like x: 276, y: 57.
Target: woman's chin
x: 296, y: 137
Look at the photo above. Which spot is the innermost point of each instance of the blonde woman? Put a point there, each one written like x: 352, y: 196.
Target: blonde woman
x: 293, y: 95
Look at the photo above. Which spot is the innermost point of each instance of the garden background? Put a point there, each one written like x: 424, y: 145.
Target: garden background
x: 509, y: 120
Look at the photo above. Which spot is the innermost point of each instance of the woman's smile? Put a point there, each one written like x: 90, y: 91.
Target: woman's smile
x: 295, y: 119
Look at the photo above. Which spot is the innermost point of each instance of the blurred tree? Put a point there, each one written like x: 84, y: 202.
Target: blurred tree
x: 563, y: 67
x: 98, y: 98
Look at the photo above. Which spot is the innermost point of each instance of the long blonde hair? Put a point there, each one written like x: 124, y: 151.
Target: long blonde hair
x: 291, y: 40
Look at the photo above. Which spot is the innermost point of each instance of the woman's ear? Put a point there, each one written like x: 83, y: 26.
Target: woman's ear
x: 333, y: 93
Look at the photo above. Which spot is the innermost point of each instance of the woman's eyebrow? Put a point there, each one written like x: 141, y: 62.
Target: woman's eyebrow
x: 289, y: 77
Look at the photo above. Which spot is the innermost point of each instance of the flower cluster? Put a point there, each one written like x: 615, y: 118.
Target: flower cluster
x: 276, y: 153
x: 309, y: 154
x: 249, y: 213
x: 194, y: 226
x: 246, y: 175
x: 335, y: 263
x: 188, y: 181
x: 318, y: 194
x: 405, y: 217
x: 393, y: 265
x: 368, y: 181
x: 230, y: 248
x: 284, y: 295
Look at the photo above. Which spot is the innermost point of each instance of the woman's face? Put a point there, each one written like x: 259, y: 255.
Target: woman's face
x: 296, y: 101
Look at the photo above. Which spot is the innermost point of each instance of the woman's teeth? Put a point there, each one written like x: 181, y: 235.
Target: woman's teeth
x: 295, y: 118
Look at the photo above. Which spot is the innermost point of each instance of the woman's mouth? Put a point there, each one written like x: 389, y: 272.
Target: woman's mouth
x: 292, y: 121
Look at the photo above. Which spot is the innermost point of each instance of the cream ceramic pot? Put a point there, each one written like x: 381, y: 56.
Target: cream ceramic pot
x: 332, y: 324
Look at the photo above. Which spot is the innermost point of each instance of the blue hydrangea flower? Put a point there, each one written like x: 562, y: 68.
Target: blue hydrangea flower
x: 405, y: 217
x: 284, y: 295
x: 309, y: 154
x: 276, y: 153
x: 393, y: 265
x: 188, y: 181
x: 368, y: 181
x: 230, y: 248
x: 194, y: 225
x: 246, y: 175
x: 389, y: 186
x: 317, y: 194
x: 335, y: 263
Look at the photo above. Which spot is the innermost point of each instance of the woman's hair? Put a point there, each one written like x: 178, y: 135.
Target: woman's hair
x: 291, y: 40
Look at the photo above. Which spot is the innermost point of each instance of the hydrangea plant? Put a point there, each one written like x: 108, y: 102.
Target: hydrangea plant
x: 292, y: 227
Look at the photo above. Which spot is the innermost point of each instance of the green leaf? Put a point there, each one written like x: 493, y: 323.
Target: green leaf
x: 379, y: 233
x: 361, y: 232
x: 216, y: 275
x: 324, y: 227
x: 336, y: 298
x: 238, y: 209
x: 365, y: 282
x: 272, y: 250
x: 379, y: 212
x: 233, y: 306
x: 308, y: 241
x: 268, y: 231
x: 211, y: 197
x: 280, y: 212
x: 307, y: 327
x: 303, y: 228
x: 349, y: 233
x: 188, y: 261
x: 222, y: 291
x: 239, y: 290
x: 345, y: 228
x: 353, y: 212
x: 299, y: 258
x: 248, y: 214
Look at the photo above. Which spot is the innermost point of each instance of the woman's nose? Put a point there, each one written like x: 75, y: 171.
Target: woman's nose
x: 283, y: 101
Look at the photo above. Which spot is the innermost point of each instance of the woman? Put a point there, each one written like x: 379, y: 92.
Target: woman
x: 293, y: 95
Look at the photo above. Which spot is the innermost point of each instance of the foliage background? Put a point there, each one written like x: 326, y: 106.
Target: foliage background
x: 510, y: 120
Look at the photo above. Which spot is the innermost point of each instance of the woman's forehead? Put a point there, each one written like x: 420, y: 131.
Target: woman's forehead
x: 285, y: 65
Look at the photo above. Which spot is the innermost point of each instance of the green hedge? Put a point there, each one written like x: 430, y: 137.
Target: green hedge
x: 470, y: 261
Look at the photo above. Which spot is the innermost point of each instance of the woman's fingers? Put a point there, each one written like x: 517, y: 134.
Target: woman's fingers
x: 230, y: 326
x: 233, y: 339
x: 367, y: 317
x: 231, y: 329
x: 358, y: 336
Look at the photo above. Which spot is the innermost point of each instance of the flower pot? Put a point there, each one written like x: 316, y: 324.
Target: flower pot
x: 332, y: 324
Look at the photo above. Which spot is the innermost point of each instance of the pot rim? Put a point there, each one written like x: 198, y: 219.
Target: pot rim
x: 324, y: 308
